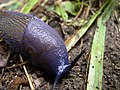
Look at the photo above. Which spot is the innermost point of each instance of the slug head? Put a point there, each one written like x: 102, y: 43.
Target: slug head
x: 67, y: 69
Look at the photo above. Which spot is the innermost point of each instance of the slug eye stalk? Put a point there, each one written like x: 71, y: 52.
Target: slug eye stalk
x: 76, y: 59
x: 67, y: 69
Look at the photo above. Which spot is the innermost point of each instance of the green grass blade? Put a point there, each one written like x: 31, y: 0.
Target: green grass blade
x: 97, y: 52
x: 26, y: 9
x: 70, y: 42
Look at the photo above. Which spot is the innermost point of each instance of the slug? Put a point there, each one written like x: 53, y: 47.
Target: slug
x: 34, y: 39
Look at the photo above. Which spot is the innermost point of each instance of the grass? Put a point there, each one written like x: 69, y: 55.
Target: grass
x: 28, y: 6
x: 97, y: 51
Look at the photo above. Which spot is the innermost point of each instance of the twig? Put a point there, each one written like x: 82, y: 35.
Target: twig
x: 78, y: 14
x: 81, y: 8
x: 28, y: 76
x: 88, y: 9
x: 23, y: 63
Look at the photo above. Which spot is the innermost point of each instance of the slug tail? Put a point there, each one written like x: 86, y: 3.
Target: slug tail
x: 76, y: 59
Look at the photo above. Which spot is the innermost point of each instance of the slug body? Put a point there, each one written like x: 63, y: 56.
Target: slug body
x: 28, y: 35
x: 31, y: 37
x: 47, y: 47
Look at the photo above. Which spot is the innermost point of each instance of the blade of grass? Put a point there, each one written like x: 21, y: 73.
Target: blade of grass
x: 97, y: 52
x: 70, y: 42
x: 29, y: 5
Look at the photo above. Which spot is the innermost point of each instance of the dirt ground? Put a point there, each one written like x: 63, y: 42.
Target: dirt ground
x: 77, y: 79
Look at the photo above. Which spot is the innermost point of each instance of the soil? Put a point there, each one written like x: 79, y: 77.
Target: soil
x: 77, y: 78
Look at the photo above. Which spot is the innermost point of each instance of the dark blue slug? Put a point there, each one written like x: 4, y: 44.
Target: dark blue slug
x: 29, y: 36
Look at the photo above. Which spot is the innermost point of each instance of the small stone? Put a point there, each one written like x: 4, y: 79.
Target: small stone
x: 37, y: 82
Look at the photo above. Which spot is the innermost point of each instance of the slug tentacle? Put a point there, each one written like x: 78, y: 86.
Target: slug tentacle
x: 76, y: 59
